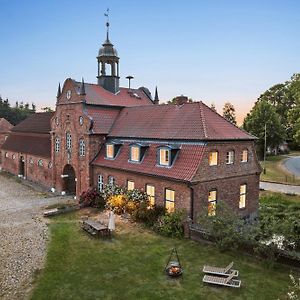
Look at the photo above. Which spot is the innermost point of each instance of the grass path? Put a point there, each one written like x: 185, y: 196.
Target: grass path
x: 131, y: 267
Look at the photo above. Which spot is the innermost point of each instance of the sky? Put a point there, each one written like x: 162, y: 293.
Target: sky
x: 209, y: 50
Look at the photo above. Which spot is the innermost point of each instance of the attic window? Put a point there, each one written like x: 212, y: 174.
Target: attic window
x: 137, y: 152
x: 112, y: 149
x: 166, y: 155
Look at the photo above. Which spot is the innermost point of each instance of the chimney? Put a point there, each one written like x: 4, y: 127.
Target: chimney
x: 180, y: 100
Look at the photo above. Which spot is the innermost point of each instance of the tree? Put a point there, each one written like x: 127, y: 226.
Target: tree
x: 213, y: 107
x: 47, y: 109
x: 229, y: 113
x: 263, y: 113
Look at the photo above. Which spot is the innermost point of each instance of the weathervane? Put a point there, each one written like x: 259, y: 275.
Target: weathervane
x: 107, y: 21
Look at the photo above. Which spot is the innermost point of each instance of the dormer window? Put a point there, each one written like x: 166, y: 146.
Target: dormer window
x: 112, y: 149
x: 135, y: 153
x: 230, y: 157
x: 167, y: 155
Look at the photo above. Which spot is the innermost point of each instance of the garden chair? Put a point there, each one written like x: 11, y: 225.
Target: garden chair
x: 221, y: 271
x: 224, y: 281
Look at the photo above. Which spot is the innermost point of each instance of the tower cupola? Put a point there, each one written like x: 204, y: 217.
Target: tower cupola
x: 108, y: 65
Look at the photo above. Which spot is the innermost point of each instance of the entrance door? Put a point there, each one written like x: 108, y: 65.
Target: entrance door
x: 22, y: 166
x: 69, y: 180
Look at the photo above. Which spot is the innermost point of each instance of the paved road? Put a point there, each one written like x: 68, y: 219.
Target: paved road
x: 280, y: 188
x: 293, y: 165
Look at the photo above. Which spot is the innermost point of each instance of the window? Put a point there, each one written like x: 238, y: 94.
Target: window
x: 110, y: 151
x: 6, y: 154
x: 100, y: 183
x: 31, y: 160
x: 57, y: 144
x: 170, y: 200
x: 130, y: 185
x: 243, y: 191
x: 230, y: 157
x: 244, y: 156
x: 212, y: 202
x: 40, y: 163
x: 213, y: 158
x: 150, y: 190
x: 13, y: 156
x: 81, y: 147
x: 111, y: 180
x: 81, y: 120
x: 56, y: 121
x: 50, y: 165
x: 68, y: 141
x: 135, y: 153
x: 164, y: 157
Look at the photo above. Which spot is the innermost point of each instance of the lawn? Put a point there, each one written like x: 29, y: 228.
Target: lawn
x: 275, y: 171
x: 130, y: 266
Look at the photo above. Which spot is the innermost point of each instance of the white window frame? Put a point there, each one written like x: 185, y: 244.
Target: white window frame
x: 135, y: 153
x: 230, y: 157
x: 81, y: 147
x: 244, y: 156
x: 130, y: 185
x: 6, y: 155
x: 212, y: 202
x: 213, y: 158
x: 57, y: 144
x: 111, y: 180
x: 243, y: 196
x: 169, y: 200
x: 100, y: 182
x: 68, y: 141
x: 164, y: 157
x: 40, y: 163
x: 150, y: 191
x: 110, y: 151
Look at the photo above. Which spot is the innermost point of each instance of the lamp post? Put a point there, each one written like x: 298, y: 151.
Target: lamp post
x: 265, y: 148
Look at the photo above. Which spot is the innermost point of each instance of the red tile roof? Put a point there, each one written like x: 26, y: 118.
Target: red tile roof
x: 97, y: 95
x: 5, y: 126
x: 183, y: 169
x: 39, y: 145
x: 103, y: 118
x: 35, y: 123
x: 191, y: 121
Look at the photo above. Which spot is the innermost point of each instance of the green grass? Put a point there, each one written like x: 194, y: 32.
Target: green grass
x: 130, y: 266
x: 275, y: 172
x: 267, y: 197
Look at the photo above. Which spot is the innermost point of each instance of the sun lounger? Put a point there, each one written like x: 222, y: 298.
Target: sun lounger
x: 224, y: 281
x: 221, y: 271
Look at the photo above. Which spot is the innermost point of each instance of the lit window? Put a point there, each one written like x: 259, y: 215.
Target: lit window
x: 243, y: 191
x: 81, y: 147
x: 130, y: 185
x: 213, y: 158
x: 100, y: 183
x: 244, y: 156
x: 111, y: 180
x: 40, y: 163
x: 170, y: 200
x: 164, y: 157
x: 135, y: 153
x: 150, y: 190
x: 68, y: 141
x: 110, y: 151
x: 230, y: 157
x: 57, y: 144
x: 212, y: 202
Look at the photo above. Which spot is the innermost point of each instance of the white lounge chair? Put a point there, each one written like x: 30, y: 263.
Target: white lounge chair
x: 221, y: 271
x: 224, y: 281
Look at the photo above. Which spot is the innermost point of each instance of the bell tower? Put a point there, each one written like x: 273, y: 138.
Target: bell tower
x: 108, y: 64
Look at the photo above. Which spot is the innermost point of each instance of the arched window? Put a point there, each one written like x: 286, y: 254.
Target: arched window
x: 81, y: 147
x: 40, y: 163
x: 57, y: 144
x: 68, y: 141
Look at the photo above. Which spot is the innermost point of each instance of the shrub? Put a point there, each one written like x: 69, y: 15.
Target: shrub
x: 91, y: 198
x: 117, y: 203
x: 148, y: 215
x: 137, y: 196
x: 170, y: 225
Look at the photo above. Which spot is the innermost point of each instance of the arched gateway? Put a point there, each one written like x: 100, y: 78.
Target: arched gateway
x: 69, y: 178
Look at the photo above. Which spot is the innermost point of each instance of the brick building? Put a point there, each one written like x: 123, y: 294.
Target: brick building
x: 5, y: 128
x: 184, y: 155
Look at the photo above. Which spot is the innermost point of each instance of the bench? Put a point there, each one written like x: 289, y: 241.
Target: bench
x: 95, y: 228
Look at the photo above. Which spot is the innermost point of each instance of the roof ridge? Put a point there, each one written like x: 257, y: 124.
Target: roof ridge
x: 202, y: 119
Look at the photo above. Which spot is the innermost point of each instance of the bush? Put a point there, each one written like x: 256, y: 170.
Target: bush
x: 148, y: 215
x: 170, y: 225
x: 91, y: 198
x: 117, y: 203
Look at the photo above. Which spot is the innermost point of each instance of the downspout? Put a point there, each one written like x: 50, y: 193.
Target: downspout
x: 192, y: 202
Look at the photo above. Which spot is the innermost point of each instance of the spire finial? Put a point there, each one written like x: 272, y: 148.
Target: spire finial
x: 156, y: 98
x: 107, y: 24
x: 58, y: 91
x: 82, y: 88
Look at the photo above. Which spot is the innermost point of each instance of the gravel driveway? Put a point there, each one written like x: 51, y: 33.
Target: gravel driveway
x: 23, y: 235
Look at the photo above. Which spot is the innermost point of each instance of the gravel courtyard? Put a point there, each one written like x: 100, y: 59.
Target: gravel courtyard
x: 23, y: 235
